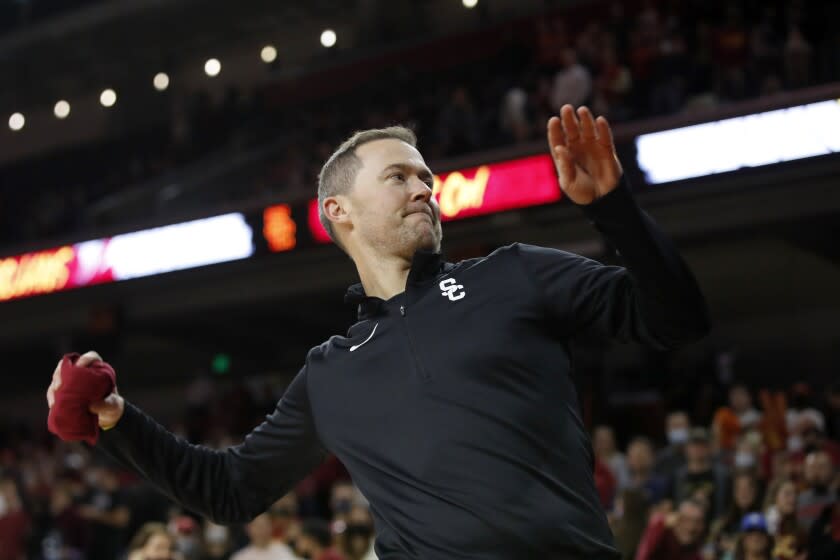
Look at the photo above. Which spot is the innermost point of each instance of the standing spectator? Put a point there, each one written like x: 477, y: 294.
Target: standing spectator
x: 261, y: 546
x: 746, y: 497
x: 701, y: 477
x: 107, y: 514
x: 572, y: 84
x: 741, y: 403
x: 152, y: 542
x: 515, y: 115
x: 315, y: 541
x: 612, y: 85
x: 675, y: 536
x: 755, y: 542
x: 780, y: 506
x: 14, y: 522
x: 819, y: 475
x: 640, y: 472
x: 603, y: 443
x: 824, y: 542
x: 672, y: 457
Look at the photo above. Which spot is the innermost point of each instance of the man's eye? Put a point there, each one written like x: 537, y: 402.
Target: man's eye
x: 398, y: 176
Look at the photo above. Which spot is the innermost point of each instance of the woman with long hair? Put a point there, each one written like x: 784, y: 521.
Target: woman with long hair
x: 746, y: 497
x: 152, y: 542
x: 789, y: 536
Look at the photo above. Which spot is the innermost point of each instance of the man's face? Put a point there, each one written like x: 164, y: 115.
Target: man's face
x: 390, y: 205
x: 639, y: 456
x: 739, y: 398
x: 818, y: 469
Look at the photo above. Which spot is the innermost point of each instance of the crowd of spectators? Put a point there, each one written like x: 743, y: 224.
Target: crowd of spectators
x: 762, y: 481
x: 628, y: 60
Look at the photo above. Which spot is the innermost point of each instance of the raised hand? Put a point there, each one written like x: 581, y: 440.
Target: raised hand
x: 584, y: 154
x: 108, y: 410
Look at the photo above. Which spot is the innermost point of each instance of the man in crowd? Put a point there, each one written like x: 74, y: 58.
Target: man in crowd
x: 262, y: 546
x: 819, y: 476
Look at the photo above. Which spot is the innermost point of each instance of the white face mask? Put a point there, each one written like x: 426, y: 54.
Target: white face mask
x: 216, y: 533
x: 678, y: 436
x: 744, y: 460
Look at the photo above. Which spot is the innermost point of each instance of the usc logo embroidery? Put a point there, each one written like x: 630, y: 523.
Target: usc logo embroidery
x: 451, y: 289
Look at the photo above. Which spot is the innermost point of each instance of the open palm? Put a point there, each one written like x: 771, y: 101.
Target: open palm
x: 584, y: 153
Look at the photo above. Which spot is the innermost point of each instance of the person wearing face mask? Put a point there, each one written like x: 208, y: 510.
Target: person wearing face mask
x: 217, y: 542
x: 746, y: 497
x: 819, y: 475
x: 672, y: 457
x: 152, y: 542
x: 316, y: 542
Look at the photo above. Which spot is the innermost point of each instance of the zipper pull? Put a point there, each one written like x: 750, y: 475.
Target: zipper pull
x: 402, y: 310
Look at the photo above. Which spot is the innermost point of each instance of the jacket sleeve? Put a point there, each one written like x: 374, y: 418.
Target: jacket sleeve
x: 655, y: 300
x: 227, y: 486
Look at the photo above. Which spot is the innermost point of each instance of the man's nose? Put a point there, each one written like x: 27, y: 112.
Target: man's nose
x: 420, y: 191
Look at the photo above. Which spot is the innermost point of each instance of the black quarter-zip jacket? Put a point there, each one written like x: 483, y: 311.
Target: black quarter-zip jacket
x: 452, y: 404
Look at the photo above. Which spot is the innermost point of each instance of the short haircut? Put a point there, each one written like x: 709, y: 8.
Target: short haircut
x: 339, y: 171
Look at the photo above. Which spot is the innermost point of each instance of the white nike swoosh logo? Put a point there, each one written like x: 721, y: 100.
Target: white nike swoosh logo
x: 357, y: 346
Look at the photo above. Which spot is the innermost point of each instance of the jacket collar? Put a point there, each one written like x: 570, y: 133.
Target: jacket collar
x: 425, y: 265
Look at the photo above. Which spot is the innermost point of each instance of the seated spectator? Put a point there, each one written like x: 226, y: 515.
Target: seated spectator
x: 746, y: 497
x: 741, y: 403
x: 603, y: 443
x: 261, y: 546
x: 218, y: 543
x: 640, y: 473
x: 674, y: 536
x: 152, y: 542
x: 285, y: 525
x: 628, y: 520
x: 780, y: 512
x: 819, y: 475
x: 824, y: 541
x: 701, y: 477
x: 315, y: 541
x: 754, y: 542
x: 672, y: 456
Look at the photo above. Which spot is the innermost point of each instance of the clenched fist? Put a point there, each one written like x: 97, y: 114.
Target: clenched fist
x: 108, y: 411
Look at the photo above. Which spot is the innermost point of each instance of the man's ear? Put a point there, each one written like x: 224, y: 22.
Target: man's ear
x: 337, y: 208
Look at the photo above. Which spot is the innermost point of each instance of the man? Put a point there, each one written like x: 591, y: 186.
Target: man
x: 641, y: 475
x: 819, y: 475
x: 674, y: 536
x: 450, y: 402
x: 262, y: 546
x: 672, y: 457
x: 701, y: 478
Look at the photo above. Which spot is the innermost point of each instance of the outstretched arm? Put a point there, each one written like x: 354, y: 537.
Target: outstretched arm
x: 227, y: 486
x: 655, y: 300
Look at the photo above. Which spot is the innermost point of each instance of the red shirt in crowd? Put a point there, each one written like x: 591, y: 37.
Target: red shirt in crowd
x: 660, y: 543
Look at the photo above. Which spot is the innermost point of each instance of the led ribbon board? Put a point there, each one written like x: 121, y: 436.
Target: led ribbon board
x: 749, y: 141
x: 482, y: 190
x: 122, y: 257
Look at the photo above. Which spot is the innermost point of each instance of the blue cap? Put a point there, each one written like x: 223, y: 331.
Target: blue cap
x: 754, y: 522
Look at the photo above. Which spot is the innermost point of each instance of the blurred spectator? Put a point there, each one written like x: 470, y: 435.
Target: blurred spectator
x: 746, y: 498
x: 672, y: 457
x: 603, y: 443
x: 106, y: 513
x: 741, y: 403
x: 629, y: 519
x: 572, y: 83
x: 356, y: 540
x: 780, y: 512
x: 152, y: 542
x: 612, y: 85
x: 640, y: 473
x: 217, y: 542
x: 824, y: 541
x: 755, y: 542
x: 797, y: 58
x: 701, y: 478
x: 285, y: 525
x: 187, y: 535
x: 674, y: 536
x: 819, y: 476
x: 261, y: 546
x: 457, y: 126
x: 14, y: 522
x: 315, y: 541
x: 515, y: 115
